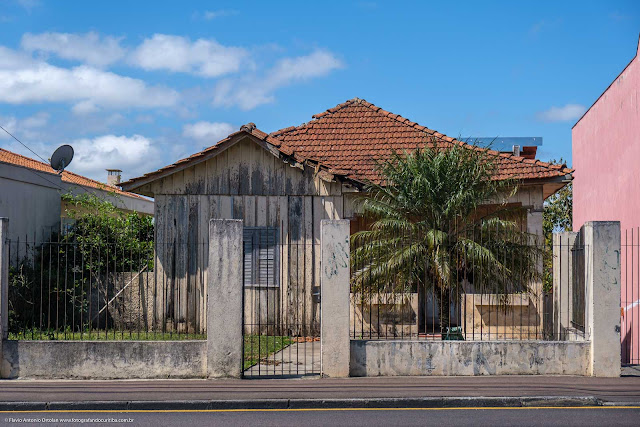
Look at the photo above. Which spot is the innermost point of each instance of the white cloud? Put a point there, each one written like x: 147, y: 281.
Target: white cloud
x: 145, y: 118
x: 249, y: 92
x: 207, y: 131
x: 206, y: 58
x: 90, y: 48
x: 85, y: 107
x: 12, y: 60
x: 135, y: 155
x: 28, y: 127
x: 562, y: 114
x: 38, y: 120
x: 29, y: 4
x: 23, y: 81
x: 213, y: 14
x: 10, y: 123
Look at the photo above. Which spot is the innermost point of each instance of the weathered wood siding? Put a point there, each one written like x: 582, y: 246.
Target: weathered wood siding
x: 244, y: 182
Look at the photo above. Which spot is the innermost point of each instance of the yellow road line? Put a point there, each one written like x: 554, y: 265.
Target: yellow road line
x: 317, y: 409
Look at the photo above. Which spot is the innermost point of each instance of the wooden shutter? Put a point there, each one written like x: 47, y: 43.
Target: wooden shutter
x: 247, y: 241
x: 260, y: 256
x: 267, y: 273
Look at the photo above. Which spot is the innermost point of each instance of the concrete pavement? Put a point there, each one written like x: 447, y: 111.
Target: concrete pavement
x: 347, y: 392
x: 300, y: 359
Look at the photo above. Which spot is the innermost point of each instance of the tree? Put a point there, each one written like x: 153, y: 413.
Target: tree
x: 557, y: 217
x: 49, y: 286
x: 123, y: 240
x: 431, y: 230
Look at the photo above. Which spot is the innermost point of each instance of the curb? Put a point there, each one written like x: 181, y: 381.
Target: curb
x: 427, y: 402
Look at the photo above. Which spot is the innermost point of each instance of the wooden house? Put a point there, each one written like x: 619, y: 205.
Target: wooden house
x: 282, y: 185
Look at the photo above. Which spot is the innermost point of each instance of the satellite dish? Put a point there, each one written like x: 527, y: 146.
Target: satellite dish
x: 61, y: 157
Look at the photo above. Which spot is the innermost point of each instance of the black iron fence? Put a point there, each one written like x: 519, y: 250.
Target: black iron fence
x: 75, y: 289
x: 281, y: 316
x: 466, y: 286
x: 630, y: 298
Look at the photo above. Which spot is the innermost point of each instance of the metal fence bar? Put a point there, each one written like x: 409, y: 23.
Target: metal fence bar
x: 73, y: 289
x: 512, y: 303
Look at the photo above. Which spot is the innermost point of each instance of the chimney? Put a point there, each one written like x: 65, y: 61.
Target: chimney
x: 516, y: 150
x: 113, y: 177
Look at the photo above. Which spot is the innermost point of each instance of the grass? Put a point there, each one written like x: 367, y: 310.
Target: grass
x: 110, y: 335
x: 258, y: 347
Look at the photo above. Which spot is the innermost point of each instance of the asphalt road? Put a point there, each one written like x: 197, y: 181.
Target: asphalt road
x: 626, y: 389
x: 602, y: 416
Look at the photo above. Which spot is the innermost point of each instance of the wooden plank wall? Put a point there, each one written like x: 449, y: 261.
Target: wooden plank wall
x: 244, y: 182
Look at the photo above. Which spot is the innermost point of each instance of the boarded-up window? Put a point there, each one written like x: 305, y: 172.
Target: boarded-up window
x: 260, y: 256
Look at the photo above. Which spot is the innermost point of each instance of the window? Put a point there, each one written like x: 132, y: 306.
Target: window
x: 260, y: 256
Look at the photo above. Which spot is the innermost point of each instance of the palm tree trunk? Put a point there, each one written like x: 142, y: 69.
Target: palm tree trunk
x: 444, y: 306
x: 422, y: 309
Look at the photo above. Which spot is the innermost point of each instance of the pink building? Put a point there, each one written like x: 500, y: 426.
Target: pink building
x: 606, y: 185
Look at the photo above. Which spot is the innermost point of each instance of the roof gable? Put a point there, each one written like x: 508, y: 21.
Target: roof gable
x: 256, y: 135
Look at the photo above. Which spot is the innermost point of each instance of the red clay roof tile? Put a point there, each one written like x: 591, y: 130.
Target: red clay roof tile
x: 356, y: 134
x: 16, y: 159
x: 351, y: 138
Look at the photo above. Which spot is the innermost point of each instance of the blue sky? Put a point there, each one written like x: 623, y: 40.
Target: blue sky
x: 137, y: 85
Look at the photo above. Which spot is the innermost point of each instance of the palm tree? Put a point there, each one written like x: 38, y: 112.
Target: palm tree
x: 431, y: 229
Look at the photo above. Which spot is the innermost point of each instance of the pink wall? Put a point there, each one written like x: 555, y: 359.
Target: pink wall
x: 606, y: 154
x: 606, y: 186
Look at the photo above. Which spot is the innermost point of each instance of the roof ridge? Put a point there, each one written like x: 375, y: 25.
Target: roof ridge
x: 446, y: 138
x: 414, y: 125
x: 28, y: 158
x: 48, y: 169
x: 317, y: 116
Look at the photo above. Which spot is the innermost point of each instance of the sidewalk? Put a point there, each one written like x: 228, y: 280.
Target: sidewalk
x: 348, y: 392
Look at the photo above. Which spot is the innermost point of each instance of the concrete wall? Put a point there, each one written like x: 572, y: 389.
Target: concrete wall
x: 402, y: 358
x: 103, y: 359
x: 31, y: 201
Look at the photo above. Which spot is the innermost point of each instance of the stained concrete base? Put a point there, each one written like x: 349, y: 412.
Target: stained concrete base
x: 400, y: 358
x: 103, y: 359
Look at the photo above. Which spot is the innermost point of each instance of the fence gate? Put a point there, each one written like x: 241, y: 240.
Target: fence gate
x: 281, y: 307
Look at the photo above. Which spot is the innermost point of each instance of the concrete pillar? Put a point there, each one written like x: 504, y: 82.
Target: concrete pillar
x: 602, y: 277
x: 563, y: 244
x: 334, y: 299
x: 535, y: 229
x: 224, y: 299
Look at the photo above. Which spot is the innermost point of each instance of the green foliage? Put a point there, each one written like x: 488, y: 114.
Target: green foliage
x: 50, y: 288
x: 557, y: 217
x: 46, y: 288
x: 428, y: 233
x: 108, y: 238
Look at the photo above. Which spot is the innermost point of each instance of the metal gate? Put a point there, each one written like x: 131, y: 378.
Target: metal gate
x: 281, y: 307
x: 630, y: 298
